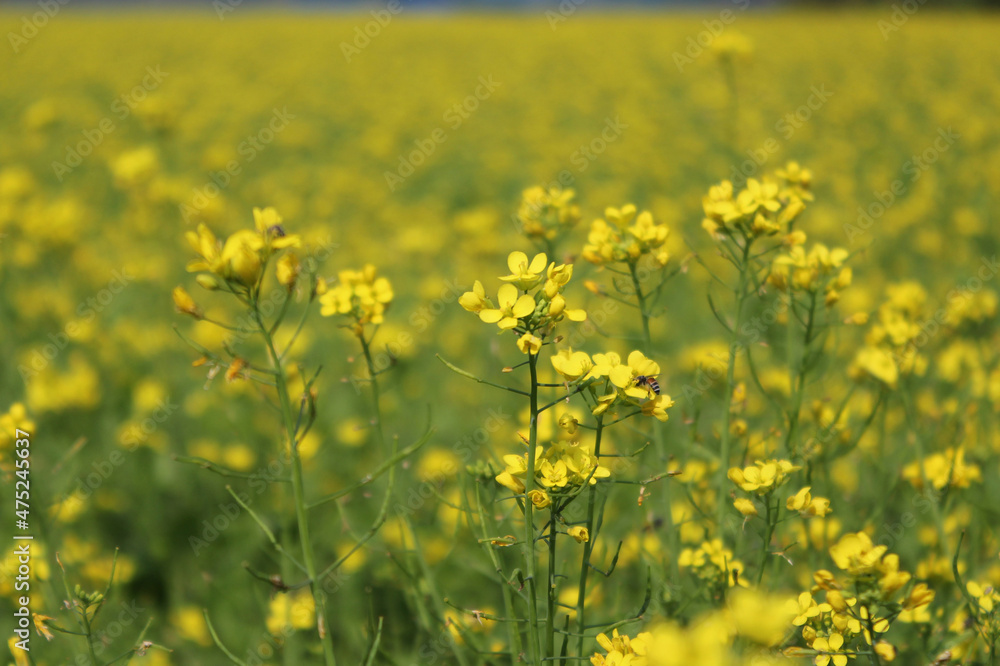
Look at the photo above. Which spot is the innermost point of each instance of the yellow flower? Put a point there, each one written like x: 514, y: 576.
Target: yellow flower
x: 763, y: 476
x: 624, y: 375
x: 525, y: 275
x: 20, y: 656
x: 287, y: 270
x: 571, y: 365
x: 745, y: 506
x: 241, y: 257
x: 185, y: 304
x: 475, y: 300
x: 829, y: 646
x: 529, y: 344
x: 579, y: 533
x: 204, y: 242
x: 877, y: 363
x: 807, y: 505
x: 539, y: 498
x: 271, y: 231
x: 544, y: 212
x: 885, y: 650
x: 511, y: 307
x: 657, y: 407
x: 362, y: 295
x: 291, y: 610
x: 943, y: 469
x: 40, y: 626
x: 856, y: 554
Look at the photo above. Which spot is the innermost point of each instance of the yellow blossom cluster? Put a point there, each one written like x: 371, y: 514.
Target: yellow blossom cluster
x: 239, y: 261
x: 893, y: 342
x: 544, y: 213
x: 762, y: 208
x: 531, y: 302
x: 558, y: 469
x: 858, y: 610
x: 947, y: 469
x: 763, y: 477
x: 362, y: 295
x: 821, y: 269
x: 625, y: 235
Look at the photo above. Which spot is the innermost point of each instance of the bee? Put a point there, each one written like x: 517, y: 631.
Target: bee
x: 648, y: 382
x: 276, y: 230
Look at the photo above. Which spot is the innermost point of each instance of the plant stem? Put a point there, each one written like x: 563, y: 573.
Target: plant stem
x: 799, y: 378
x: 661, y: 450
x: 588, y: 546
x: 298, y: 490
x: 730, y: 378
x: 771, y: 520
x: 550, y: 625
x: 534, y: 642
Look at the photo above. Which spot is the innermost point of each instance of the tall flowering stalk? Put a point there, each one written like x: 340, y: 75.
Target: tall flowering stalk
x: 740, y: 222
x: 549, y: 478
x: 239, y: 267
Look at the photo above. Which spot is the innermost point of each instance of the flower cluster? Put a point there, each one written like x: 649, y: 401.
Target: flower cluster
x: 362, y: 295
x: 559, y: 469
x: 891, y: 346
x: 821, y: 269
x: 625, y: 236
x: 946, y: 469
x: 621, y: 650
x: 859, y: 609
x: 970, y: 313
x: 764, y: 207
x: 531, y: 302
x: 239, y: 261
x: 714, y: 564
x: 628, y: 381
x: 545, y: 213
x: 763, y: 477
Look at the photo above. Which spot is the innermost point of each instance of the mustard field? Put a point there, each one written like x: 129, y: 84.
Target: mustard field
x: 577, y: 336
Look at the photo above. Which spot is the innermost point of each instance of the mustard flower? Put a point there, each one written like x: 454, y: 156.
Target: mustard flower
x: 525, y: 275
x: 512, y: 306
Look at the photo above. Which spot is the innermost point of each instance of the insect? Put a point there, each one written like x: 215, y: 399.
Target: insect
x: 648, y: 382
x: 276, y: 230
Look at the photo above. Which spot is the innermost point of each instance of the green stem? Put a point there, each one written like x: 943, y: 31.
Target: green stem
x: 298, y: 491
x: 550, y: 624
x: 588, y: 546
x: 771, y: 521
x: 730, y: 378
x: 661, y: 449
x: 799, y: 379
x: 911, y: 418
x: 534, y: 641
